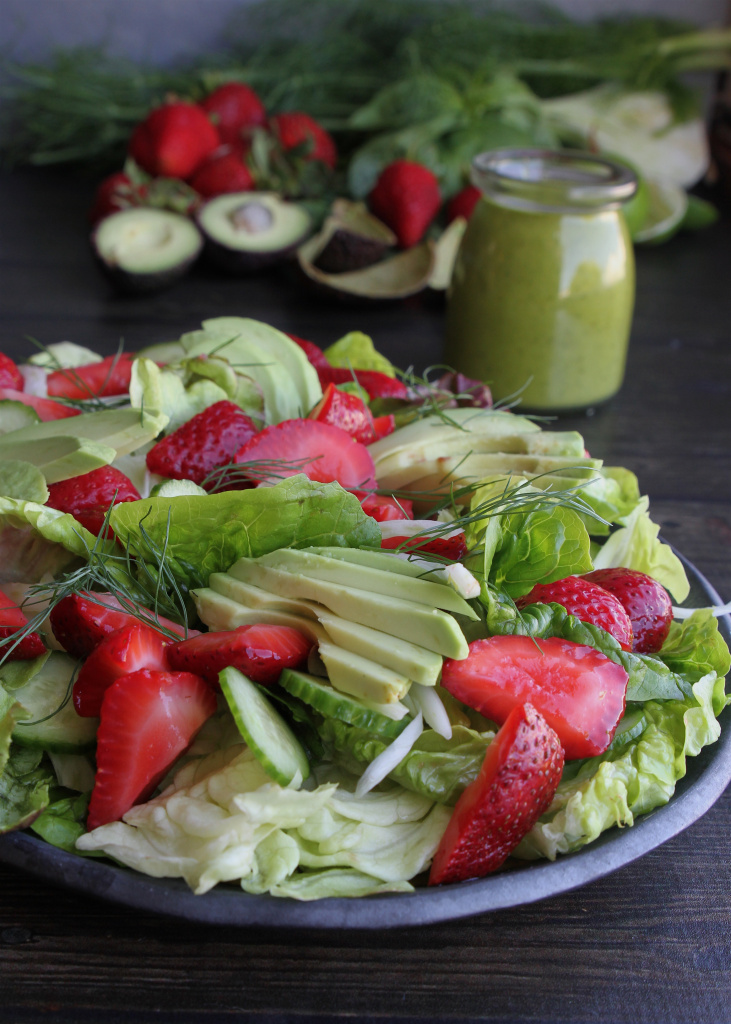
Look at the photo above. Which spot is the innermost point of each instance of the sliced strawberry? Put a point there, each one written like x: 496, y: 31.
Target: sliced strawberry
x: 88, y: 497
x: 313, y: 353
x: 222, y: 172
x: 261, y: 652
x: 321, y: 452
x: 517, y: 781
x: 234, y: 107
x: 126, y: 650
x: 12, y: 620
x: 10, y: 375
x: 109, y: 377
x: 148, y: 719
x: 46, y: 408
x: 580, y: 692
x: 588, y: 602
x: 207, y: 440
x: 81, y: 621
x: 646, y: 602
x: 347, y: 411
x: 373, y: 382
x: 415, y: 536
x: 384, y: 507
x: 384, y: 425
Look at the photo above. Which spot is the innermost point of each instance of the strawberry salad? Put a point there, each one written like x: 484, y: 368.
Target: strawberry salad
x: 298, y: 622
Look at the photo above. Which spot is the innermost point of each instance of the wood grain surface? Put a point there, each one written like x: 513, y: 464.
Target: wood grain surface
x: 649, y: 943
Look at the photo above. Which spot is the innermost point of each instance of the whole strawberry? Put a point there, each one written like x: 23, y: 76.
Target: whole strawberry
x: 463, y: 204
x: 646, y: 602
x: 115, y: 192
x: 88, y: 497
x: 10, y: 375
x: 220, y: 173
x: 204, y: 442
x: 234, y: 108
x: 588, y: 601
x: 406, y: 198
x: 295, y: 129
x: 173, y: 140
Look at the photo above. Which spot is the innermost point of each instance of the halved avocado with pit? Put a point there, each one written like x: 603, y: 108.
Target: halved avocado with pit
x: 145, y: 248
x: 246, y: 231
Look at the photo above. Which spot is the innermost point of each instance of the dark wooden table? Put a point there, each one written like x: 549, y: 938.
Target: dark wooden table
x: 649, y: 943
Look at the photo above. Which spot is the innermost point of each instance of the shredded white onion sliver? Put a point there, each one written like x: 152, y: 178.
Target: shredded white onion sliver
x: 394, y: 754
x: 717, y: 610
x: 462, y: 580
x: 410, y: 527
x: 35, y: 380
x: 428, y: 701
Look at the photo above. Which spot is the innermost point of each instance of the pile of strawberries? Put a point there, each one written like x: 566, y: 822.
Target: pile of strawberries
x: 207, y: 146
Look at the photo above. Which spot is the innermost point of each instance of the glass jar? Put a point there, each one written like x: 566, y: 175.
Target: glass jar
x: 541, y: 299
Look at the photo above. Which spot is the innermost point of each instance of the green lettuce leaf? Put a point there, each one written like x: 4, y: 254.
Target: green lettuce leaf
x: 629, y: 780
x: 435, y: 767
x: 201, y: 535
x: 695, y: 646
x: 36, y: 540
x: 356, y: 351
x: 636, y: 546
x: 24, y: 788
x: 11, y: 712
x: 61, y: 822
x: 165, y: 391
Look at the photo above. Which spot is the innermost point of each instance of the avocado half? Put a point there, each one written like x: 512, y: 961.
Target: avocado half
x: 145, y: 248
x: 246, y: 231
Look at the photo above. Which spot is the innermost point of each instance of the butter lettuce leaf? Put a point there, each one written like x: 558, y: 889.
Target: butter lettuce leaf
x: 636, y: 546
x: 695, y: 646
x: 205, y: 534
x: 628, y: 780
x: 25, y: 782
x: 356, y: 351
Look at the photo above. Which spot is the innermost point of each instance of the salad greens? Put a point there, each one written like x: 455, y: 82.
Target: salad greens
x: 218, y: 816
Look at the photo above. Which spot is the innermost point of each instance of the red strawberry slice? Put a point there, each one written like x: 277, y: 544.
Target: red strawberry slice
x: 88, y: 497
x: 580, y: 692
x: 12, y: 620
x: 46, y: 408
x: 81, y: 621
x: 406, y: 198
x: 373, y: 382
x: 261, y: 652
x: 384, y: 507
x: 347, y: 411
x: 517, y: 781
x: 295, y: 130
x: 417, y: 535
x: 222, y: 173
x: 588, y: 602
x: 646, y: 602
x: 10, y: 375
x: 320, y: 451
x: 128, y: 649
x: 233, y: 107
x: 384, y: 425
x: 313, y: 353
x: 207, y: 440
x: 148, y: 719
x: 109, y: 377
x: 173, y: 140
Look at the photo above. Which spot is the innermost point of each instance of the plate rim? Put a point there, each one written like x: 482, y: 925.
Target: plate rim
x: 171, y: 897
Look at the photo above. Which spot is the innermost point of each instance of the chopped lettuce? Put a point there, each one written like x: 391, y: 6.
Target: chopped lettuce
x: 205, y: 534
x: 25, y: 782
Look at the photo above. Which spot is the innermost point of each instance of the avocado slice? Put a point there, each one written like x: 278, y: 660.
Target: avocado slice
x: 145, y: 248
x: 124, y: 430
x: 247, y: 231
x: 57, y: 458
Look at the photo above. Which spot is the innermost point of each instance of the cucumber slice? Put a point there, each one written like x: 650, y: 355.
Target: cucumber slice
x: 53, y: 724
x: 332, y: 704
x: 268, y: 736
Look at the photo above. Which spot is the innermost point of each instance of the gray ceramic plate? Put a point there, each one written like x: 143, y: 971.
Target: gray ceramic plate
x: 707, y: 777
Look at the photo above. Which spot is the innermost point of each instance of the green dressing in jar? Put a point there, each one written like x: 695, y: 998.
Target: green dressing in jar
x: 542, y: 292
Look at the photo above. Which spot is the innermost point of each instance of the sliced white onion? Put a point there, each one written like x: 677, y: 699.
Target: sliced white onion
x: 411, y: 527
x: 35, y: 380
x: 393, y: 755
x: 718, y: 610
x: 460, y: 577
x: 428, y: 701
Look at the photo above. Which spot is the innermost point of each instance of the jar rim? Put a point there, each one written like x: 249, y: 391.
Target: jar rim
x: 553, y: 180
